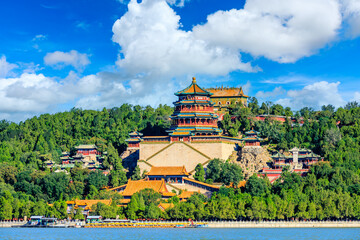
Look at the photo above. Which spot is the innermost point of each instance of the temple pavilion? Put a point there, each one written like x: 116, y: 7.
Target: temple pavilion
x: 298, y: 161
x: 171, y: 174
x: 132, y: 187
x: 193, y: 137
x: 134, y: 140
x: 224, y: 97
x: 252, y: 138
x: 194, y: 114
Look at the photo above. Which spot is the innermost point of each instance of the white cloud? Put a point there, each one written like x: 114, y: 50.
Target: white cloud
x: 280, y: 30
x: 289, y: 79
x: 157, y: 58
x: 83, y: 25
x: 351, y: 12
x: 152, y: 43
x: 246, y: 87
x: 28, y: 93
x: 5, y: 67
x: 314, y: 95
x: 356, y: 97
x: 137, y: 91
x: 36, y: 93
x: 278, y: 91
x: 60, y: 59
x: 39, y: 37
x: 177, y: 3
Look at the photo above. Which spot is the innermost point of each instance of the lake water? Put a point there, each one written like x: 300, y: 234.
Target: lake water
x: 168, y: 234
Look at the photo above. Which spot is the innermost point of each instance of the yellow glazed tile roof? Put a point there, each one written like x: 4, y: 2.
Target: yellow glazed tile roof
x: 167, y: 171
x: 164, y: 206
x: 88, y: 203
x: 226, y: 92
x: 186, y: 194
x: 136, y: 186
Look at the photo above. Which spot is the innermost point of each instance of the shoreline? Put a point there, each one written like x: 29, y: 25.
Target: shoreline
x: 286, y: 224
x: 230, y: 224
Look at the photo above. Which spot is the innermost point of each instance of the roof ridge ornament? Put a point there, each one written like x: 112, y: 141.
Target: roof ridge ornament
x: 194, y: 80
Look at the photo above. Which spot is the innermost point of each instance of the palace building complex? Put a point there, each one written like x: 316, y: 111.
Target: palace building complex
x: 194, y: 136
x: 168, y: 162
x: 223, y: 97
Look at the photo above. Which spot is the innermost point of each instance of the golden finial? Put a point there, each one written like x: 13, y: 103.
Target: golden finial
x: 194, y: 80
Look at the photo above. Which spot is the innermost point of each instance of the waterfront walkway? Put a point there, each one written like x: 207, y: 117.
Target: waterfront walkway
x: 284, y: 224
x: 73, y: 223
x: 214, y: 224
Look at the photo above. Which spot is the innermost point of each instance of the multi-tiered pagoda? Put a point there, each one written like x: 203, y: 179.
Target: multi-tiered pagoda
x: 194, y: 114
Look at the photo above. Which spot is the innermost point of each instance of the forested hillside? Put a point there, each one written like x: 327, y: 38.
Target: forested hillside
x: 331, y: 189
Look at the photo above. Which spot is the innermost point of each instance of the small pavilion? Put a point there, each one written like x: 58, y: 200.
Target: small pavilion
x: 169, y: 174
x: 134, y: 140
x: 252, y: 138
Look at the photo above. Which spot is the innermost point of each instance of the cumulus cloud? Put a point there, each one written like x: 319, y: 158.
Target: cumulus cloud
x: 314, y: 95
x: 152, y: 43
x: 36, y: 93
x: 280, y: 30
x: 30, y: 93
x: 60, y: 59
x: 5, y: 67
x: 137, y: 91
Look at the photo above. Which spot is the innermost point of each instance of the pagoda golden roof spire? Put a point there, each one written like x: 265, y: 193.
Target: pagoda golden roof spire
x: 194, y: 80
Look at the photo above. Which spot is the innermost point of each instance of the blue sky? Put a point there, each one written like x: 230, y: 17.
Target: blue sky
x: 55, y: 55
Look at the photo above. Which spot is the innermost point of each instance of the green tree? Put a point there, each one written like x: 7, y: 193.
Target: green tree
x: 213, y: 170
x: 199, y: 173
x: 256, y: 186
x: 98, y: 179
x: 5, y: 209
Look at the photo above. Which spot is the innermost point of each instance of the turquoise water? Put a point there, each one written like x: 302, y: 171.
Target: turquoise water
x: 168, y: 234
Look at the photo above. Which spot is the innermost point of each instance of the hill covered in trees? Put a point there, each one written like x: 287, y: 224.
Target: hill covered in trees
x: 331, y: 189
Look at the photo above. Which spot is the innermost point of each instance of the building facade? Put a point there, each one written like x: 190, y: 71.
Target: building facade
x: 251, y: 139
x: 223, y: 97
x: 193, y: 115
x: 194, y: 136
x: 297, y: 160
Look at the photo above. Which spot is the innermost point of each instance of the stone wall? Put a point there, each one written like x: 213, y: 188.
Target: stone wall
x: 215, y: 150
x: 148, y: 149
x: 180, y: 153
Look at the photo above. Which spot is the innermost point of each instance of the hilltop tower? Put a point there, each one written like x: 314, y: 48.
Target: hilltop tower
x: 193, y: 137
x: 194, y: 114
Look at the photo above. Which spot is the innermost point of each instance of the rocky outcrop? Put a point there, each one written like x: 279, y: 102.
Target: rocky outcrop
x: 252, y: 160
x: 130, y: 158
